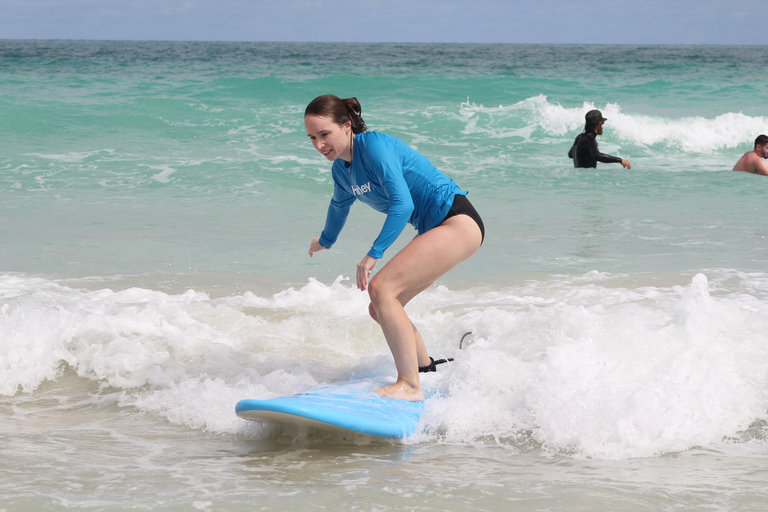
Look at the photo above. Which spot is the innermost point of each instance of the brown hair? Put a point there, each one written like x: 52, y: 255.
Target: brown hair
x: 339, y: 110
x: 761, y: 140
x: 590, y: 126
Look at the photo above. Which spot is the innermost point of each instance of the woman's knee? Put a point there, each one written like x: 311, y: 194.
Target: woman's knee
x: 376, y: 291
x: 372, y: 312
x: 379, y: 294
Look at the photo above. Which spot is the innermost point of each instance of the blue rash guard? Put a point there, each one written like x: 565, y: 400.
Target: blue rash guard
x: 392, y: 178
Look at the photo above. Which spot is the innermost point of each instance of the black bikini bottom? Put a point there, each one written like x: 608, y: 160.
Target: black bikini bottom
x: 462, y: 206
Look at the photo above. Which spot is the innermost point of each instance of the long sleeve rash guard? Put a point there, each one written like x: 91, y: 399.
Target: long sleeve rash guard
x: 392, y: 178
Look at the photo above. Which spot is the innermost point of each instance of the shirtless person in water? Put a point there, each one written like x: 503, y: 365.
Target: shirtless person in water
x: 754, y: 161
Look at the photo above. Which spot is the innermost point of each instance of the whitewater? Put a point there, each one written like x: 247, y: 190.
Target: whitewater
x: 158, y: 200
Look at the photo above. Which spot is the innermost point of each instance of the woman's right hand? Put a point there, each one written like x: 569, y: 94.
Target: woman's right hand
x: 364, y: 271
x: 315, y: 246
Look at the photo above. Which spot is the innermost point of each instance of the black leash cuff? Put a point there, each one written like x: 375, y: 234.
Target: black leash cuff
x: 432, y: 366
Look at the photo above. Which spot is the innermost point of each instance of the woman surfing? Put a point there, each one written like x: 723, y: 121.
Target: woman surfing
x: 392, y: 178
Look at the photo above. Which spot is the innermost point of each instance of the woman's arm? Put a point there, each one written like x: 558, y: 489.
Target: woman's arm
x: 382, y: 160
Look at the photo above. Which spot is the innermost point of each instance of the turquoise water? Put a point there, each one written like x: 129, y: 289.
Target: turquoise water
x: 158, y: 200
x: 144, y: 157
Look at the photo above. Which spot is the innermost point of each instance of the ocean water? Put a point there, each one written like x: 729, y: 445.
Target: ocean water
x: 158, y: 200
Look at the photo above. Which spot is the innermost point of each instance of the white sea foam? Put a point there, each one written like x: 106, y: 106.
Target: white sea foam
x: 590, y: 366
x: 608, y: 366
x: 690, y: 134
x: 165, y: 172
x: 73, y: 157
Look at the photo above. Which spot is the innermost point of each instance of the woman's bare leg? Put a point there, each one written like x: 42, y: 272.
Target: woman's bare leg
x: 421, y: 349
x: 414, y: 268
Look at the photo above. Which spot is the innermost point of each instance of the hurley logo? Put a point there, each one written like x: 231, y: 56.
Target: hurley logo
x: 361, y: 190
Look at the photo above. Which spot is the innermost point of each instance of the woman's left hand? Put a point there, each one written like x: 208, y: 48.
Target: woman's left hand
x: 364, y: 270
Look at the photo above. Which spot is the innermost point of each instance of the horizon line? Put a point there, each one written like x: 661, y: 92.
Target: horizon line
x: 369, y: 42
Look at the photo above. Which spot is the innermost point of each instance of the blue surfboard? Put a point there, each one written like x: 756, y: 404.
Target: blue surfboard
x: 344, y: 406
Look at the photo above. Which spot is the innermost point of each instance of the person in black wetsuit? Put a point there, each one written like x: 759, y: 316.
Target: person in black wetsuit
x: 584, y: 150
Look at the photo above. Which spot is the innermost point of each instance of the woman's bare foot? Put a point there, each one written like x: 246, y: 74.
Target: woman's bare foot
x: 401, y: 391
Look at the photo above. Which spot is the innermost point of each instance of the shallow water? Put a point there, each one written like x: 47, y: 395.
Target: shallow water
x: 157, y: 204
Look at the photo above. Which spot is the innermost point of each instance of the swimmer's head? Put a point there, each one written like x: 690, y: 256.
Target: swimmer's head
x: 761, y: 140
x: 593, y: 118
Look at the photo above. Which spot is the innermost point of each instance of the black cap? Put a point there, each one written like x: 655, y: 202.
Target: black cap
x: 595, y: 116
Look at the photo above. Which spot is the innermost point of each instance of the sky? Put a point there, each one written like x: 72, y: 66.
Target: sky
x: 430, y: 21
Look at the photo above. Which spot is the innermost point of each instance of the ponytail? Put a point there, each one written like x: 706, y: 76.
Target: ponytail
x: 339, y: 110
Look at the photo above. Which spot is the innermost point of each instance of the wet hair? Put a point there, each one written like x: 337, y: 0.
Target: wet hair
x: 590, y: 126
x: 761, y: 140
x: 339, y: 110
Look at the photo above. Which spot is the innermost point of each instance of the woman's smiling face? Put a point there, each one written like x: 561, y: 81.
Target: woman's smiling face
x: 330, y: 139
